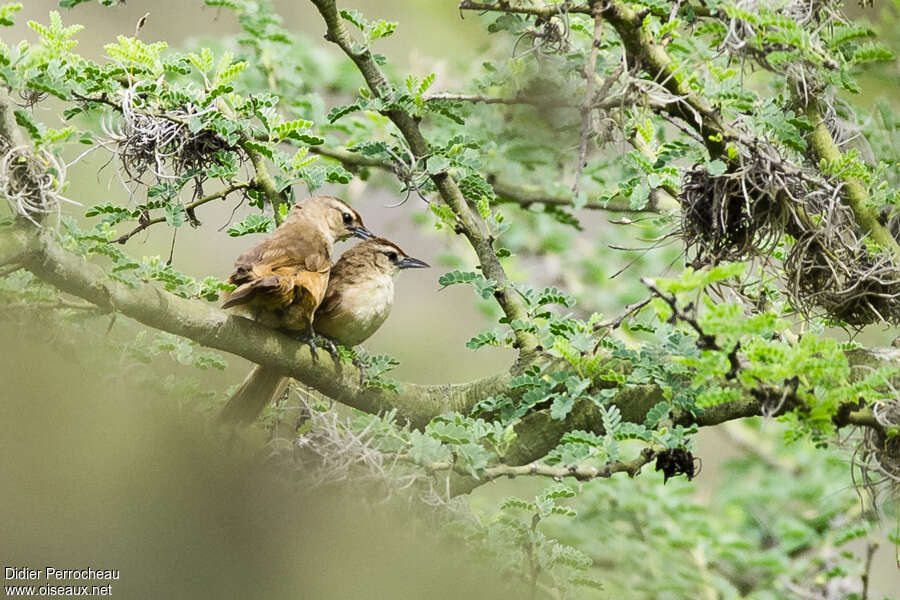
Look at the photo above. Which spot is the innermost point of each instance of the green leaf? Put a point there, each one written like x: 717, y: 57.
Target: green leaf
x: 340, y: 111
x: 381, y: 29
x: 254, y: 223
x: 872, y: 52
x: 24, y: 120
x: 485, y: 338
x: 355, y: 18
x: 437, y: 164
x: 716, y: 167
x: 175, y: 215
x: 656, y: 414
x: 454, y: 277
x: 6, y: 12
x: 561, y: 406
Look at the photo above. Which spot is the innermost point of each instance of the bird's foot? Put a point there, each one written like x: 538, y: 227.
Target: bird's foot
x: 309, y: 339
x: 329, y: 345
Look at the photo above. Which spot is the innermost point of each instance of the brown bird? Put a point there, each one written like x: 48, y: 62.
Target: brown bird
x: 282, y: 280
x: 358, y: 300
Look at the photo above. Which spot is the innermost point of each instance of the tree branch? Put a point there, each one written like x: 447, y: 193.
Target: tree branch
x: 470, y: 222
x: 476, y: 99
x: 543, y: 12
x: 264, y: 181
x: 587, y: 108
x: 855, y: 195
x: 581, y: 473
x: 513, y: 193
x: 532, y: 194
x: 17, y: 245
x: 214, y: 196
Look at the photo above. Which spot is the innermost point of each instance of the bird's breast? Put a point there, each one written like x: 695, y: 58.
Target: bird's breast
x: 369, y: 304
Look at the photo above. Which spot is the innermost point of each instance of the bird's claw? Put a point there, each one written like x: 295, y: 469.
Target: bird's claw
x: 329, y: 345
x: 310, y: 340
x: 359, y: 364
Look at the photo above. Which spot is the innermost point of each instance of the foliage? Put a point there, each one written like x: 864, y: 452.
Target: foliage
x: 702, y: 107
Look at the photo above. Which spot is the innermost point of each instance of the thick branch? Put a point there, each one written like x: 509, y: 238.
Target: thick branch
x: 17, y: 245
x: 470, y: 222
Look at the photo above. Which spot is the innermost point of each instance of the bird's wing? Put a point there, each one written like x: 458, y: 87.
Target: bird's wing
x: 254, y: 287
x: 332, y: 306
x: 314, y: 278
x: 279, y: 270
x: 286, y: 247
x: 277, y: 285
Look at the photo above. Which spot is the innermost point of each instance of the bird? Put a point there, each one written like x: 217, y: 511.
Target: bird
x: 357, y: 302
x: 282, y: 280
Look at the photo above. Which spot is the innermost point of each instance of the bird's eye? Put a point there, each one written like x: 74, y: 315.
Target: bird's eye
x: 392, y: 256
x: 348, y: 218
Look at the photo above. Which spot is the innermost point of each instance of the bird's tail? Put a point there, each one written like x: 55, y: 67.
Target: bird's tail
x: 261, y: 386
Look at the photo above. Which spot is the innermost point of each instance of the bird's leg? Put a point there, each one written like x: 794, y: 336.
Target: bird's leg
x: 308, y: 337
x: 359, y: 364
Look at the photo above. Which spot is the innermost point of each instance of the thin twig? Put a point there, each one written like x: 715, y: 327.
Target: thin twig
x: 476, y: 99
x: 629, y: 310
x: 587, y: 106
x: 870, y: 552
x: 705, y: 341
x: 144, y: 223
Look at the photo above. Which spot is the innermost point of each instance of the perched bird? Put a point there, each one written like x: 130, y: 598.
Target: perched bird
x: 282, y: 280
x: 361, y: 293
x: 359, y: 298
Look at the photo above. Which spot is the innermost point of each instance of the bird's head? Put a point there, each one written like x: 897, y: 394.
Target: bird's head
x: 385, y: 256
x: 338, y: 218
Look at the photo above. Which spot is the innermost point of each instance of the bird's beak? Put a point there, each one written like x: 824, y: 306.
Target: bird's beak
x: 412, y: 263
x: 362, y: 233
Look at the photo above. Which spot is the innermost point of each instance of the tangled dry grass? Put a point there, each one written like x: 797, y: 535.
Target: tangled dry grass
x: 876, y: 459
x: 31, y: 181
x: 332, y: 449
x: 741, y: 38
x: 830, y: 268
x: 162, y: 144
